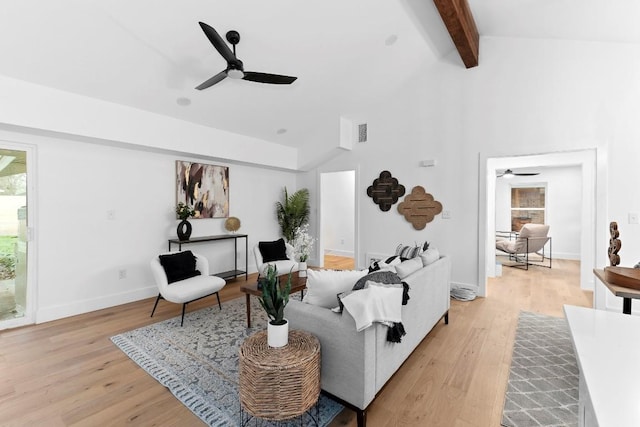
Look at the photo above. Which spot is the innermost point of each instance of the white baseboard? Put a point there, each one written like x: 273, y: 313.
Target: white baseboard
x: 74, y: 308
x: 566, y: 255
x: 339, y: 252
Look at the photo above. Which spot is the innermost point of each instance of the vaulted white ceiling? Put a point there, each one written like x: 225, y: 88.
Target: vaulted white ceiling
x: 151, y: 54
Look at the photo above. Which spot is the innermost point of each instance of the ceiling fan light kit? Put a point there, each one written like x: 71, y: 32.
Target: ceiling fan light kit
x: 235, y: 67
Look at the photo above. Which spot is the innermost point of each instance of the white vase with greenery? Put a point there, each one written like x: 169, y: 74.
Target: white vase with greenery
x: 302, y: 245
x: 274, y: 299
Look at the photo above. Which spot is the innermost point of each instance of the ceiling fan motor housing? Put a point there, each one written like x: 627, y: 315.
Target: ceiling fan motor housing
x: 233, y: 37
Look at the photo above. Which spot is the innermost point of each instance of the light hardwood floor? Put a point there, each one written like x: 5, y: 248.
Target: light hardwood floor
x: 68, y: 373
x: 339, y: 262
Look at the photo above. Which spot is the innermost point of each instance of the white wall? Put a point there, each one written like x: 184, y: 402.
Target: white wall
x: 526, y: 97
x: 42, y: 109
x: 563, y: 208
x: 337, y: 212
x: 80, y: 251
x: 396, y: 142
x: 561, y: 96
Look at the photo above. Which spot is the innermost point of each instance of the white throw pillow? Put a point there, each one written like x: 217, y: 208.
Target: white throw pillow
x: 323, y: 286
x: 429, y: 256
x: 409, y: 266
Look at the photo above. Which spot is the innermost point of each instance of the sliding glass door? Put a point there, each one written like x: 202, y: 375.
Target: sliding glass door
x: 15, y: 307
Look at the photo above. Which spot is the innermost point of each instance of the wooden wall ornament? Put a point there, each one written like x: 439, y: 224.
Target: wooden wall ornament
x: 614, y: 244
x: 419, y: 207
x: 385, y: 191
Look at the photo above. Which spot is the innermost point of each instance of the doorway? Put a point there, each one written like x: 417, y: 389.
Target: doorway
x: 590, y: 214
x: 337, y: 237
x: 15, y: 302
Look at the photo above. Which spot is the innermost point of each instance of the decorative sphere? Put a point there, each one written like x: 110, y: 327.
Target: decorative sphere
x: 232, y: 224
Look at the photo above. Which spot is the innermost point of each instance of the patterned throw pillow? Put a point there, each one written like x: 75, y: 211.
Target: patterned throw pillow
x: 408, y: 252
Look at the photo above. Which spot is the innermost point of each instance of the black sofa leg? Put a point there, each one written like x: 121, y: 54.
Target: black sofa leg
x: 218, y: 296
x: 155, y: 305
x: 361, y: 416
x: 446, y: 318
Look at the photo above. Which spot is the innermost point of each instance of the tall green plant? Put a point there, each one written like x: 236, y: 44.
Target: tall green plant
x: 274, y: 298
x: 293, y: 212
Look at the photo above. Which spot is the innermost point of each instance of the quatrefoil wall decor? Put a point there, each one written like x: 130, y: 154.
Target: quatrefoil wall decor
x: 385, y: 191
x: 419, y: 208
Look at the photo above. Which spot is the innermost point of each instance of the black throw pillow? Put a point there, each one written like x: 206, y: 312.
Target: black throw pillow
x: 179, y: 266
x: 273, y: 251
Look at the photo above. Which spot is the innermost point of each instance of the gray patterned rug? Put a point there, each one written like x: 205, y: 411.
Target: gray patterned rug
x: 543, y: 381
x: 198, y: 363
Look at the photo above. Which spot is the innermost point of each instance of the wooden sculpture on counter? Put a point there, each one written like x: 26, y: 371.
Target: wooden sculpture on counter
x: 621, y: 276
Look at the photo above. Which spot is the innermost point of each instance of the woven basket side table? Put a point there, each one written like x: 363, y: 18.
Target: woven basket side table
x: 279, y: 383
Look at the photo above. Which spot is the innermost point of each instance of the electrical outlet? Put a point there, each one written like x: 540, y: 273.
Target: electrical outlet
x: 122, y: 274
x: 633, y: 218
x: 111, y: 215
x: 446, y: 214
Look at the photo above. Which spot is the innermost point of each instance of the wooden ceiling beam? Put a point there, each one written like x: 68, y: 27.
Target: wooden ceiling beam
x: 458, y: 19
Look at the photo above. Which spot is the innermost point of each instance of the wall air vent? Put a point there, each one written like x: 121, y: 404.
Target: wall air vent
x: 362, y: 132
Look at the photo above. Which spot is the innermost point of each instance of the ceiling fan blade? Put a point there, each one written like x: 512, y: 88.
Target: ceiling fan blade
x: 527, y: 173
x: 274, y: 79
x: 221, y: 46
x: 213, y: 80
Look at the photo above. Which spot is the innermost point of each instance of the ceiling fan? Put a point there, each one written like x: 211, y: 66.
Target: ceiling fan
x: 235, y: 67
x: 510, y: 174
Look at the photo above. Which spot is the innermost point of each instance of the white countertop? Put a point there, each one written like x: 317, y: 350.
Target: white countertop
x: 607, y: 347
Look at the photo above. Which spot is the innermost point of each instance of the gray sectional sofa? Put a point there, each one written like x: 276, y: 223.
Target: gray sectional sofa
x: 356, y: 365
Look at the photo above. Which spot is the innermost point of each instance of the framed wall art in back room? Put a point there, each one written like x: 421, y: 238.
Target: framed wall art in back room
x: 204, y: 187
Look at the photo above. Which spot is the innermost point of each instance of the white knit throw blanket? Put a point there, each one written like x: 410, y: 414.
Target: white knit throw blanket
x: 377, y: 302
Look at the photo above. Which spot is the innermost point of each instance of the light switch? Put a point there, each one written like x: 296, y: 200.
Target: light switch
x: 633, y: 218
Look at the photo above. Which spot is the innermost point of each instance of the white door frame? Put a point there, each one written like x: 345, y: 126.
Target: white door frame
x: 356, y: 223
x: 593, y: 215
x: 32, y: 292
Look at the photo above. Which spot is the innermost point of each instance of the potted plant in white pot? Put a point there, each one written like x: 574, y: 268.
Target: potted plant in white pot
x: 302, y: 245
x: 274, y: 299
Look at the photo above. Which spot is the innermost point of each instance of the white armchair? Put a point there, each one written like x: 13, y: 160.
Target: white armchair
x: 532, y: 238
x: 284, y: 266
x: 186, y: 290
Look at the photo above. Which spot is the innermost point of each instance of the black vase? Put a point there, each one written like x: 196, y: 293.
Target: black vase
x: 184, y: 230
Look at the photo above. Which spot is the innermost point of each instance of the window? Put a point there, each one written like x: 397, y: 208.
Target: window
x: 527, y: 206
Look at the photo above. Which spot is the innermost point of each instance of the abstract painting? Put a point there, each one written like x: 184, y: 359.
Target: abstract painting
x: 203, y: 187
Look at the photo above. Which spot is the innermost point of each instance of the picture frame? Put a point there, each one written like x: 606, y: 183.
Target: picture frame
x: 203, y: 187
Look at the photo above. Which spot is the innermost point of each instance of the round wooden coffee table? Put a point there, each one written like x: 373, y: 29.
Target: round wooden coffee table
x: 279, y: 383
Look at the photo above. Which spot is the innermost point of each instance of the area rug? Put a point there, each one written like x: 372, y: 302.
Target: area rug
x: 543, y: 381
x: 198, y: 362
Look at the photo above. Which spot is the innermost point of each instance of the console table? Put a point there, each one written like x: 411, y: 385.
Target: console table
x: 205, y: 239
x: 627, y: 294
x: 607, y: 354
